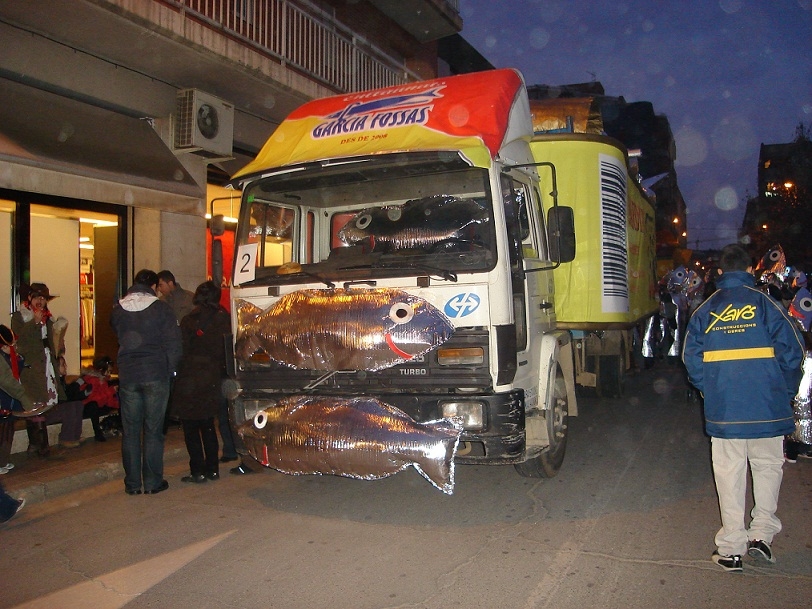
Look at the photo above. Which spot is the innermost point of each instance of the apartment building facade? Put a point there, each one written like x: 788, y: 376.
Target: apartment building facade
x: 121, y: 120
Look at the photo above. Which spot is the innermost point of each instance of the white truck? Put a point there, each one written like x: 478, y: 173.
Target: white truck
x: 353, y: 193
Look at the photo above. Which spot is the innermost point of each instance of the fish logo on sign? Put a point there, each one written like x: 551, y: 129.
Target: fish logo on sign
x: 462, y: 305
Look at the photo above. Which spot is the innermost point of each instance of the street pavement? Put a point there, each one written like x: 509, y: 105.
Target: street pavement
x: 628, y: 523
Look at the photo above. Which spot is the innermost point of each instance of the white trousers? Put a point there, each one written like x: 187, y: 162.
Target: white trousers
x: 730, y: 459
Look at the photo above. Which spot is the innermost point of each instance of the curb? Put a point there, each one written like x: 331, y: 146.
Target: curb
x: 103, y: 472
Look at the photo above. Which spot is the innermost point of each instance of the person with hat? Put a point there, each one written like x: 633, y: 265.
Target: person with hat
x: 38, y: 342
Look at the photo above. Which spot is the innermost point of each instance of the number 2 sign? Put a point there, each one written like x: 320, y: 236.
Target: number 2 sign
x: 246, y: 267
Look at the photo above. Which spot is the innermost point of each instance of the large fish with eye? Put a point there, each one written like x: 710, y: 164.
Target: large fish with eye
x: 773, y: 262
x: 340, y: 329
x: 360, y: 437
x: 430, y: 224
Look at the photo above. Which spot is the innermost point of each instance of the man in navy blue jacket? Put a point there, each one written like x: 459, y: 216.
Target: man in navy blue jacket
x: 744, y: 354
x: 149, y: 350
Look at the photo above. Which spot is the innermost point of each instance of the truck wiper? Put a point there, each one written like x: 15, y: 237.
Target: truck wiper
x: 315, y: 276
x: 432, y: 270
x: 442, y: 273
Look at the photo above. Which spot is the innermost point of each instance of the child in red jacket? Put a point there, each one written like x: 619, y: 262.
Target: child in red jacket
x: 103, y: 395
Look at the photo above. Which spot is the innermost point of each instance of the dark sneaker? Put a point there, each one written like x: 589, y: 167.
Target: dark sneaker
x: 20, y: 504
x: 196, y: 478
x: 760, y: 549
x: 728, y: 563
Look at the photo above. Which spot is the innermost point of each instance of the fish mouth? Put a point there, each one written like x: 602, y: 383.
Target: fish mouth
x: 395, y: 349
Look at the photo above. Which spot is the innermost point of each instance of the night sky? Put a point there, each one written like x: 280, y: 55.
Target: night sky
x: 729, y: 75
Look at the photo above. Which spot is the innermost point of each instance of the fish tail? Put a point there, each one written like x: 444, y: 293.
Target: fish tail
x: 439, y: 468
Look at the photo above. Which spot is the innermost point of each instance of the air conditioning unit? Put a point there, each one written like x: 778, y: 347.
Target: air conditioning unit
x: 204, y: 124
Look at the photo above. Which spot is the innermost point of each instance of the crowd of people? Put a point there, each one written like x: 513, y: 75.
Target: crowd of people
x: 171, y: 363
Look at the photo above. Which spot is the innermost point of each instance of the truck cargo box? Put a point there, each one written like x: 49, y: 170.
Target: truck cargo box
x: 612, y: 281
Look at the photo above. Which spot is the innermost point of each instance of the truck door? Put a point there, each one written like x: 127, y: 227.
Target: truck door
x: 537, y: 287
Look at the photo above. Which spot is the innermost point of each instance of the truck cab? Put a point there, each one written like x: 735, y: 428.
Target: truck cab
x: 429, y: 189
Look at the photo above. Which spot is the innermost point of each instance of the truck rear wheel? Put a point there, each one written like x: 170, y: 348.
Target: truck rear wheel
x: 547, y: 464
x: 611, y: 370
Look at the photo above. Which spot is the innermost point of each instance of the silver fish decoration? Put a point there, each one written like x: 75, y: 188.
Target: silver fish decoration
x: 271, y: 221
x: 801, y: 308
x: 801, y: 404
x: 359, y: 437
x: 774, y: 262
x: 426, y: 223
x: 339, y: 329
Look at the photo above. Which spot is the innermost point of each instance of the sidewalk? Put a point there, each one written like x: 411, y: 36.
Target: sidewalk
x: 72, y: 469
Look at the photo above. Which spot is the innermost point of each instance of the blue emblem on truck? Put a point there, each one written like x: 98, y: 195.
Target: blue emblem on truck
x: 461, y: 305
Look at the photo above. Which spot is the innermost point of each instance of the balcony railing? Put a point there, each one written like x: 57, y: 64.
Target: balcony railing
x: 303, y: 37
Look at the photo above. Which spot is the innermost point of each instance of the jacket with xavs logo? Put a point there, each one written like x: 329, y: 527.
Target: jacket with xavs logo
x: 744, y: 354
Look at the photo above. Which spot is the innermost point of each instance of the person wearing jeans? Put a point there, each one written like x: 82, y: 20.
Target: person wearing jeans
x: 144, y: 411
x: 149, y: 350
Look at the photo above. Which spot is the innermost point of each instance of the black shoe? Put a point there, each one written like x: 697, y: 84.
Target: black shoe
x: 161, y: 488
x: 132, y: 491
x: 196, y: 478
x: 20, y: 505
x: 241, y: 470
x: 760, y: 549
x: 213, y: 475
x: 225, y: 459
x: 728, y: 563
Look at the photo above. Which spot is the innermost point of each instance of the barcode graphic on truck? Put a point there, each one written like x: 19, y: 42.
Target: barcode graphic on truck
x: 614, y: 252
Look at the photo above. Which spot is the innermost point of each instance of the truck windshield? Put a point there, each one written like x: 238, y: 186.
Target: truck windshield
x: 386, y: 215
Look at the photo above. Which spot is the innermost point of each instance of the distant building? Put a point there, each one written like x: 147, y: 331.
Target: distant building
x: 780, y: 212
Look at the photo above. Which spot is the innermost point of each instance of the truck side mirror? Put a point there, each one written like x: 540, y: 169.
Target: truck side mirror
x: 217, y: 225
x: 561, y: 227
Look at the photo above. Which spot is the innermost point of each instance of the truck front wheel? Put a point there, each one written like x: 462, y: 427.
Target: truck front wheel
x: 547, y: 464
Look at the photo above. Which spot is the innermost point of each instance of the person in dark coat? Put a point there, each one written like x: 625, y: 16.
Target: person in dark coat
x: 148, y: 354
x: 196, y: 395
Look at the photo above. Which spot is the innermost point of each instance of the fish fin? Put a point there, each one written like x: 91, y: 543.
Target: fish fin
x: 440, y: 471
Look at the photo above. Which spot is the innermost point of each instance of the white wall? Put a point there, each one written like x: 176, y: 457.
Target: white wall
x: 55, y: 262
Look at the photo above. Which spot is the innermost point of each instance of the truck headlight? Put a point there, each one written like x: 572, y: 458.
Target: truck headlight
x: 472, y: 413
x: 457, y: 356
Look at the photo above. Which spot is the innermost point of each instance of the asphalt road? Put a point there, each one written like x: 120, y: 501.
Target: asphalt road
x: 629, y: 522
